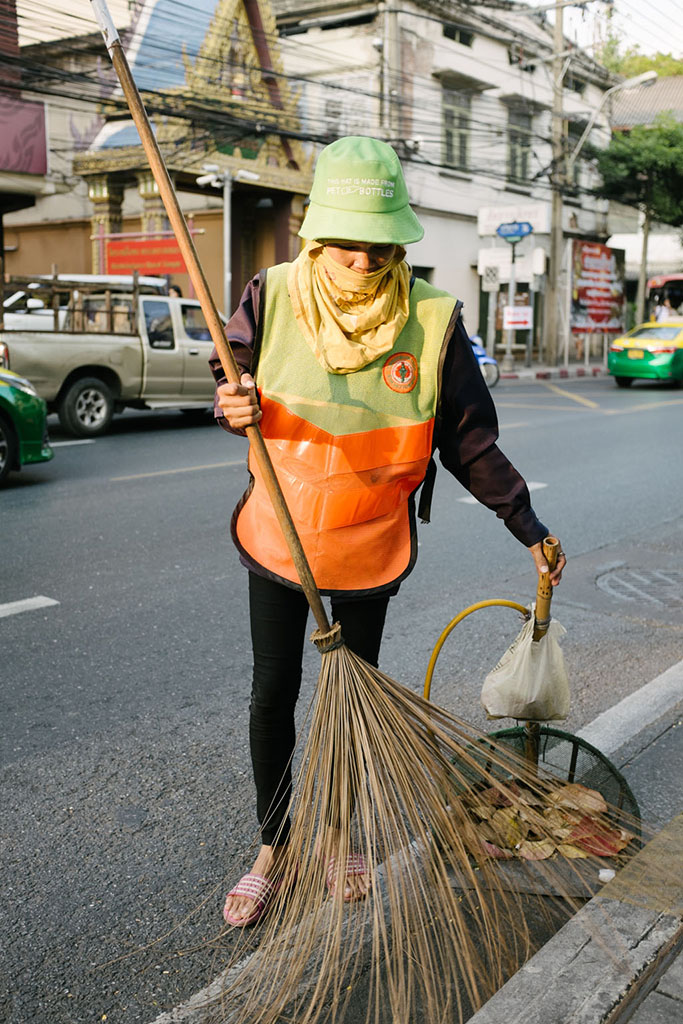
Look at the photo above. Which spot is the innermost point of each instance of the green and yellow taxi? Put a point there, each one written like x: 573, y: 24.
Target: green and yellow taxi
x: 23, y: 425
x: 653, y: 351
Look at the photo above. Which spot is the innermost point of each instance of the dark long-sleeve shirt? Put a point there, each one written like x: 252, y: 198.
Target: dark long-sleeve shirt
x: 466, y: 427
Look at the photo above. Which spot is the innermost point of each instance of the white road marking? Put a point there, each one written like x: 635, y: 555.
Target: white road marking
x: 182, y: 469
x: 532, y: 485
x: 618, y: 724
x: 68, y: 444
x: 27, y: 605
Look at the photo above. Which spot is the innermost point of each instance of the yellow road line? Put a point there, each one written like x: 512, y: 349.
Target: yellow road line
x: 568, y: 394
x: 642, y: 408
x: 182, y: 469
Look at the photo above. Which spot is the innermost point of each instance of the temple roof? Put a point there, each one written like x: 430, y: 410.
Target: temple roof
x: 212, y: 80
x: 161, y: 35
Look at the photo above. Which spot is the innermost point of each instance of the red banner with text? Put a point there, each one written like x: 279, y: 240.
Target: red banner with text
x: 597, y: 295
x: 156, y: 256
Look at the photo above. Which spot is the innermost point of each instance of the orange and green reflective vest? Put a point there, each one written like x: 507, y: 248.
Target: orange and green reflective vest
x: 349, y: 450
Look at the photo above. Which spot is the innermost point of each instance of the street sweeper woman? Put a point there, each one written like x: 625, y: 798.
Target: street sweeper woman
x: 357, y: 373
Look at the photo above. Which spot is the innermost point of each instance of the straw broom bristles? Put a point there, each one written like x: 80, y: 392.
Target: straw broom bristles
x: 383, y: 774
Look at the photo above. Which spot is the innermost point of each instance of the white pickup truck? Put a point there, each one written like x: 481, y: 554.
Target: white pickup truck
x: 104, y: 349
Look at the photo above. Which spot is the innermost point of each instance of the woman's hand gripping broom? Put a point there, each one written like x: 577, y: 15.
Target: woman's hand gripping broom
x: 377, y: 763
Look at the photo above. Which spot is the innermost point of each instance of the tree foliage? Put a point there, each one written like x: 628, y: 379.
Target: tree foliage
x: 630, y: 62
x: 644, y: 168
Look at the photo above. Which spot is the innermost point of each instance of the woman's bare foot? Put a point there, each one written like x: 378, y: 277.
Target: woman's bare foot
x: 269, y: 864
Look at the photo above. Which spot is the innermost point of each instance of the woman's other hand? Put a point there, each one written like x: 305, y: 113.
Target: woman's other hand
x: 542, y: 564
x: 239, y: 403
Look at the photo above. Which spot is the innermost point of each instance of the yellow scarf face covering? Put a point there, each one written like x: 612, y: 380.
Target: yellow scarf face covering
x: 348, y: 319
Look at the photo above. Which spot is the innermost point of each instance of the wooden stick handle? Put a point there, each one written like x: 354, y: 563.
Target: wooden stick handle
x: 213, y: 320
x: 544, y: 591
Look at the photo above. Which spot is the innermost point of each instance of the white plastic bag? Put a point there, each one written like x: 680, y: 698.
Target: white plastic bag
x: 530, y: 680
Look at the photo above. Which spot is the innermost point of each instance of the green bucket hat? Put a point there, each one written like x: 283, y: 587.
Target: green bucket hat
x: 359, y: 194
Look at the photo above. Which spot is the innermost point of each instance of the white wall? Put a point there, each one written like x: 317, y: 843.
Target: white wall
x: 450, y: 247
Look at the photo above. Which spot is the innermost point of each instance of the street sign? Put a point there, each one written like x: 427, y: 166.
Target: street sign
x: 515, y: 230
x: 490, y: 281
x: 518, y: 318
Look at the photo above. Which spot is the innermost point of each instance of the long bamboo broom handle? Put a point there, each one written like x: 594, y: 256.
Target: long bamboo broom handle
x: 544, y: 590
x: 213, y: 320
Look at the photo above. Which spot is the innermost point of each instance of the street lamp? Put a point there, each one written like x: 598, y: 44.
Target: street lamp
x: 216, y: 178
x: 629, y: 83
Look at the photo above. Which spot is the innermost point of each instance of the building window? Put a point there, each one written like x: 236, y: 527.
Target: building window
x: 456, y: 129
x: 458, y: 34
x: 519, y: 58
x: 574, y: 84
x: 519, y: 145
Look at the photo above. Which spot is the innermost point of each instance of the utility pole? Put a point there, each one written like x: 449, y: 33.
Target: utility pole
x: 224, y: 179
x: 227, y: 242
x: 552, y: 295
x: 390, y: 73
x: 508, y: 361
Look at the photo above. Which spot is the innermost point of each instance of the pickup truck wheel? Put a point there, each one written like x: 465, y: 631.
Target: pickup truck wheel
x: 87, y: 408
x: 8, y: 449
x: 197, y: 416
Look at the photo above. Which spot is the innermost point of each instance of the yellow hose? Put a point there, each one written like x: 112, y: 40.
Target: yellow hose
x: 454, y: 622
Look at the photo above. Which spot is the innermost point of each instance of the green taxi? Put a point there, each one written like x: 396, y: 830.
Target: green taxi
x: 23, y: 430
x: 653, y: 351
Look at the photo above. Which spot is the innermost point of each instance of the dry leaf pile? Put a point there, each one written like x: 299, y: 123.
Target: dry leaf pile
x: 512, y: 821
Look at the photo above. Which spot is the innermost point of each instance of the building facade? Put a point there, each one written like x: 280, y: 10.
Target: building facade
x: 464, y: 93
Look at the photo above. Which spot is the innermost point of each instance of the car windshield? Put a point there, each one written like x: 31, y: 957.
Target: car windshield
x: 658, y: 333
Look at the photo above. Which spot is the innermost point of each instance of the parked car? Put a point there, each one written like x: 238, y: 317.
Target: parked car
x: 23, y: 425
x: 116, y: 349
x: 652, y: 351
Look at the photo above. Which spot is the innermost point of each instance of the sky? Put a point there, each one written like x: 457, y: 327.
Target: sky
x: 40, y: 19
x: 652, y: 25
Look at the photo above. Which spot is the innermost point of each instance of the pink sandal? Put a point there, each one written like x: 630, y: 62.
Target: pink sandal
x: 257, y: 888
x: 355, y: 865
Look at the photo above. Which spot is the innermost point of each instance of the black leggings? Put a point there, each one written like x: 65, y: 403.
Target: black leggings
x: 278, y: 630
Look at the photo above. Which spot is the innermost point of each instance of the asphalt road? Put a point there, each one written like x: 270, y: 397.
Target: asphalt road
x: 127, y: 805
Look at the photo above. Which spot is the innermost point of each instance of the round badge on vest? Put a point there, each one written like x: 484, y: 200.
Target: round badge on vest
x: 400, y: 372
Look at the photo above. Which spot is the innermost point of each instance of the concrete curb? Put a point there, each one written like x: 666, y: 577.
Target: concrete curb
x: 604, y: 962
x: 554, y: 372
x: 615, y: 727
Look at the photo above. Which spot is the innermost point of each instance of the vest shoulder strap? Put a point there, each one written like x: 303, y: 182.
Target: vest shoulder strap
x: 424, y: 509
x: 260, y: 320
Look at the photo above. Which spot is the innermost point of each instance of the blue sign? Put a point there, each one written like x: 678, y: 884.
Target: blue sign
x: 514, y: 230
